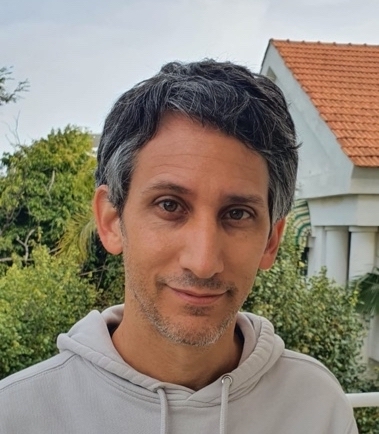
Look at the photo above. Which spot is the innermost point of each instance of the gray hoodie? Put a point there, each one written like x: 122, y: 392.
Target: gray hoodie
x: 88, y: 388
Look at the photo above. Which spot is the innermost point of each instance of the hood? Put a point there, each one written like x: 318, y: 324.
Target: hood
x: 90, y: 339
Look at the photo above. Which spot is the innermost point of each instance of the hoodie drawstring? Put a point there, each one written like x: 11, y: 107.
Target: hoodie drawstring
x: 164, y: 410
x: 226, y: 381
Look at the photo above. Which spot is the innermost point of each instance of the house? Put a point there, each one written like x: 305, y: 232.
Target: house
x: 333, y: 92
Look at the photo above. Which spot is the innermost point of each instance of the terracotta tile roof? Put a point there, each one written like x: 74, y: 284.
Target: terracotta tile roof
x: 342, y: 81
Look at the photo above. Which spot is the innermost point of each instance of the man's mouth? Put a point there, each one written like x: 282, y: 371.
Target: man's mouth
x: 197, y: 297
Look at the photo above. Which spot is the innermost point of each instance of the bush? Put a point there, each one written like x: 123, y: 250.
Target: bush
x: 36, y: 304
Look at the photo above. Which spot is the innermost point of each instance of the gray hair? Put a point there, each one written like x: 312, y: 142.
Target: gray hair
x: 223, y: 95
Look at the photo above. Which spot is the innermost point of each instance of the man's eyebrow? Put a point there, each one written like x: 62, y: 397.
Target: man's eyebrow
x: 168, y: 186
x: 239, y: 199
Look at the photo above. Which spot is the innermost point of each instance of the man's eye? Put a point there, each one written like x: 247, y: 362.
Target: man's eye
x: 169, y: 205
x: 238, y: 214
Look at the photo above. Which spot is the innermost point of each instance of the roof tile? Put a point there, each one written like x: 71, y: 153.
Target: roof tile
x: 342, y: 81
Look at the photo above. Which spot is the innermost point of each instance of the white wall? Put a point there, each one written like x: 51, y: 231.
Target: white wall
x: 347, y: 210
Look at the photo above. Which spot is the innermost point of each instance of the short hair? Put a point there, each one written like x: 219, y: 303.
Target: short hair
x: 223, y: 95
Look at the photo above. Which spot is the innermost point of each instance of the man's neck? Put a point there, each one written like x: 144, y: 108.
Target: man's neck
x: 150, y: 353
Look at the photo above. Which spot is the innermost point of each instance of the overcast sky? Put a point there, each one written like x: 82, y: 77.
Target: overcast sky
x: 80, y: 55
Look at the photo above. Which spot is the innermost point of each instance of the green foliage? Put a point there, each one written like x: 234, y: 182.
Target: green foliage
x: 38, y: 302
x: 367, y: 287
x: 79, y: 235
x: 368, y: 293
x: 41, y: 187
x: 7, y: 96
x: 46, y: 191
x: 315, y: 316
x: 106, y: 272
x: 103, y: 270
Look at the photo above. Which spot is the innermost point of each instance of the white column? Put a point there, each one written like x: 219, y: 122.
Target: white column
x: 311, y: 256
x: 336, y: 253
x: 362, y: 250
x: 316, y: 255
x: 362, y: 261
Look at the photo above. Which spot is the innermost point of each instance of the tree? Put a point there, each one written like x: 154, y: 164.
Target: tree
x: 7, y: 96
x: 41, y: 187
x: 46, y: 191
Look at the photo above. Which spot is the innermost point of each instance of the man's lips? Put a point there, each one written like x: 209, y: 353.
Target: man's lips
x: 197, y: 297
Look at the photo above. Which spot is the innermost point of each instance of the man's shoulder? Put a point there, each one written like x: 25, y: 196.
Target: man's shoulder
x: 37, y: 399
x: 300, y: 384
x: 303, y: 362
x: 30, y: 376
x: 305, y: 372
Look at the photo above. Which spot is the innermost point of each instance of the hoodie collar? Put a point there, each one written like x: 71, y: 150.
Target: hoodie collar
x: 90, y: 339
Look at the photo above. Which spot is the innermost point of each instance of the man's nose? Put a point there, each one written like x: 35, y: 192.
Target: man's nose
x: 201, y: 251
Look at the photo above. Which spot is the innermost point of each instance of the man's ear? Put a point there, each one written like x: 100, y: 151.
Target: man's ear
x: 272, y: 246
x: 107, y: 221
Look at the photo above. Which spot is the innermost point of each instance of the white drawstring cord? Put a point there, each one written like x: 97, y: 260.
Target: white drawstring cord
x: 226, y: 381
x: 164, y: 410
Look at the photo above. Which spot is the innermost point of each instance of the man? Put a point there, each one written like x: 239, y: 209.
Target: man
x: 196, y: 173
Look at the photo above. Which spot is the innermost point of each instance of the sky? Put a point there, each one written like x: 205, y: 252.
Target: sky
x: 80, y: 55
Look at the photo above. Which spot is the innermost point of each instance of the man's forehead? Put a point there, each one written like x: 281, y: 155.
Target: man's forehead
x: 211, y: 170
x: 179, y: 136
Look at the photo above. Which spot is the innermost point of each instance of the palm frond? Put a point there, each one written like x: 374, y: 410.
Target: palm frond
x: 368, y: 293
x: 78, y: 236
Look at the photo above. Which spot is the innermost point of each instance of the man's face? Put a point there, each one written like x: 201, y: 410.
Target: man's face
x: 194, y: 231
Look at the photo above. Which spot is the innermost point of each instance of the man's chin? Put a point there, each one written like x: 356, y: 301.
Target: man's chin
x: 193, y: 335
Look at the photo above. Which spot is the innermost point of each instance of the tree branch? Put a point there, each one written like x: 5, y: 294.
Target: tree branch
x: 25, y: 244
